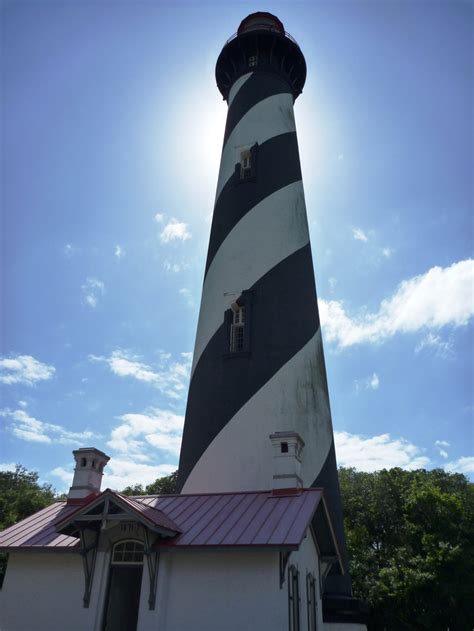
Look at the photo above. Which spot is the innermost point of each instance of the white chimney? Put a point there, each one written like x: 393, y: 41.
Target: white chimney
x: 90, y: 463
x: 287, y: 449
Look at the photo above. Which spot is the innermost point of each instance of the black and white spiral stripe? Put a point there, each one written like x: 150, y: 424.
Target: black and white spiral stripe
x: 259, y: 242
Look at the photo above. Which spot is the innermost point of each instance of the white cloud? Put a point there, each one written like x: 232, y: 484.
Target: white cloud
x: 436, y: 345
x: 442, y: 296
x: 442, y: 443
x: 31, y: 429
x: 465, y: 465
x: 92, y: 290
x: 23, y: 404
x: 175, y: 267
x: 175, y: 230
x: 370, y: 383
x: 24, y: 369
x: 387, y: 252
x: 7, y: 466
x: 69, y: 250
x: 119, y: 252
x: 120, y: 473
x: 373, y: 382
x: 160, y: 428
x: 378, y: 452
x: 359, y: 235
x: 187, y: 295
x: 159, y: 218
x: 443, y: 453
x: 170, y: 377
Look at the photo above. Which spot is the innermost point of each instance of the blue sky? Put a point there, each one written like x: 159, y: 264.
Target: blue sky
x: 111, y: 132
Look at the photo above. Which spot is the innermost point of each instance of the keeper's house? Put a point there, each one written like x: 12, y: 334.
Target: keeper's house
x: 102, y: 561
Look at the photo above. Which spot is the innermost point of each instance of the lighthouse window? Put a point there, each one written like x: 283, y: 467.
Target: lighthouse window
x: 237, y: 321
x: 245, y: 164
x: 294, y: 599
x: 253, y: 60
x: 237, y: 330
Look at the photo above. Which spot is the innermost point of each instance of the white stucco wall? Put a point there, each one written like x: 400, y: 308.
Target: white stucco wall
x: 231, y: 590
x: 226, y: 590
x: 43, y: 591
x: 235, y: 591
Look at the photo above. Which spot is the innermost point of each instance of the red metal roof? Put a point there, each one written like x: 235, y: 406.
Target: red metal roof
x: 219, y: 519
x: 39, y: 530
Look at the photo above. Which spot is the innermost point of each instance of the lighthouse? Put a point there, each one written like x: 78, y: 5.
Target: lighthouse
x: 258, y: 365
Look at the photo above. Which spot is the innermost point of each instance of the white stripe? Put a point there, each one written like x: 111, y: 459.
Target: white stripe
x: 268, y: 118
x: 235, y: 89
x: 271, y: 231
x: 240, y: 458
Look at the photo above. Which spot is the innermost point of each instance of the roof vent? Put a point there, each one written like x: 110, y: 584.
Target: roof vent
x: 90, y: 463
x: 287, y: 450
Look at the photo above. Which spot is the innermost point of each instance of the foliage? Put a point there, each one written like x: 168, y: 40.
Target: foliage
x: 161, y: 486
x: 20, y: 496
x: 410, y: 536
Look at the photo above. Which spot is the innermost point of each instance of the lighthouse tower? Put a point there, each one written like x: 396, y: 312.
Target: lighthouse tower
x: 258, y: 364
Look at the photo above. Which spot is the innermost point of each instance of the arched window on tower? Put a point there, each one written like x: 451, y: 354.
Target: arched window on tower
x: 237, y: 325
x: 237, y: 329
x: 245, y: 164
x: 246, y: 167
x: 253, y: 61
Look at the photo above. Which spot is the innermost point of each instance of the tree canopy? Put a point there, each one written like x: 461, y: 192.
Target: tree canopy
x: 161, y: 486
x: 410, y: 536
x: 21, y: 495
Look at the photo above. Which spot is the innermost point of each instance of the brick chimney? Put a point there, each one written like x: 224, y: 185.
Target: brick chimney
x: 90, y: 463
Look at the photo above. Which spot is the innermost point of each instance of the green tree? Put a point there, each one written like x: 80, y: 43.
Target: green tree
x: 20, y: 496
x: 161, y: 486
x: 410, y: 536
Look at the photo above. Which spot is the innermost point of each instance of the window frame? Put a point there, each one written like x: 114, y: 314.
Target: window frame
x: 253, y: 61
x: 294, y: 618
x: 123, y: 542
x: 246, y: 165
x: 311, y: 602
x: 245, y: 301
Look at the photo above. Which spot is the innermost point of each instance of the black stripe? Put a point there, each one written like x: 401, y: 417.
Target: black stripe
x: 284, y: 318
x: 278, y: 165
x: 329, y: 481
x: 260, y: 86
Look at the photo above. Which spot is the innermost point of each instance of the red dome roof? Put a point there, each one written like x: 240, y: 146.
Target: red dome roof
x: 261, y: 21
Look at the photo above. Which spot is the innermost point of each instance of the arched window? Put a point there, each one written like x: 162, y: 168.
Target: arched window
x: 237, y: 329
x: 294, y: 598
x: 123, y: 592
x: 311, y: 602
x: 128, y: 552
